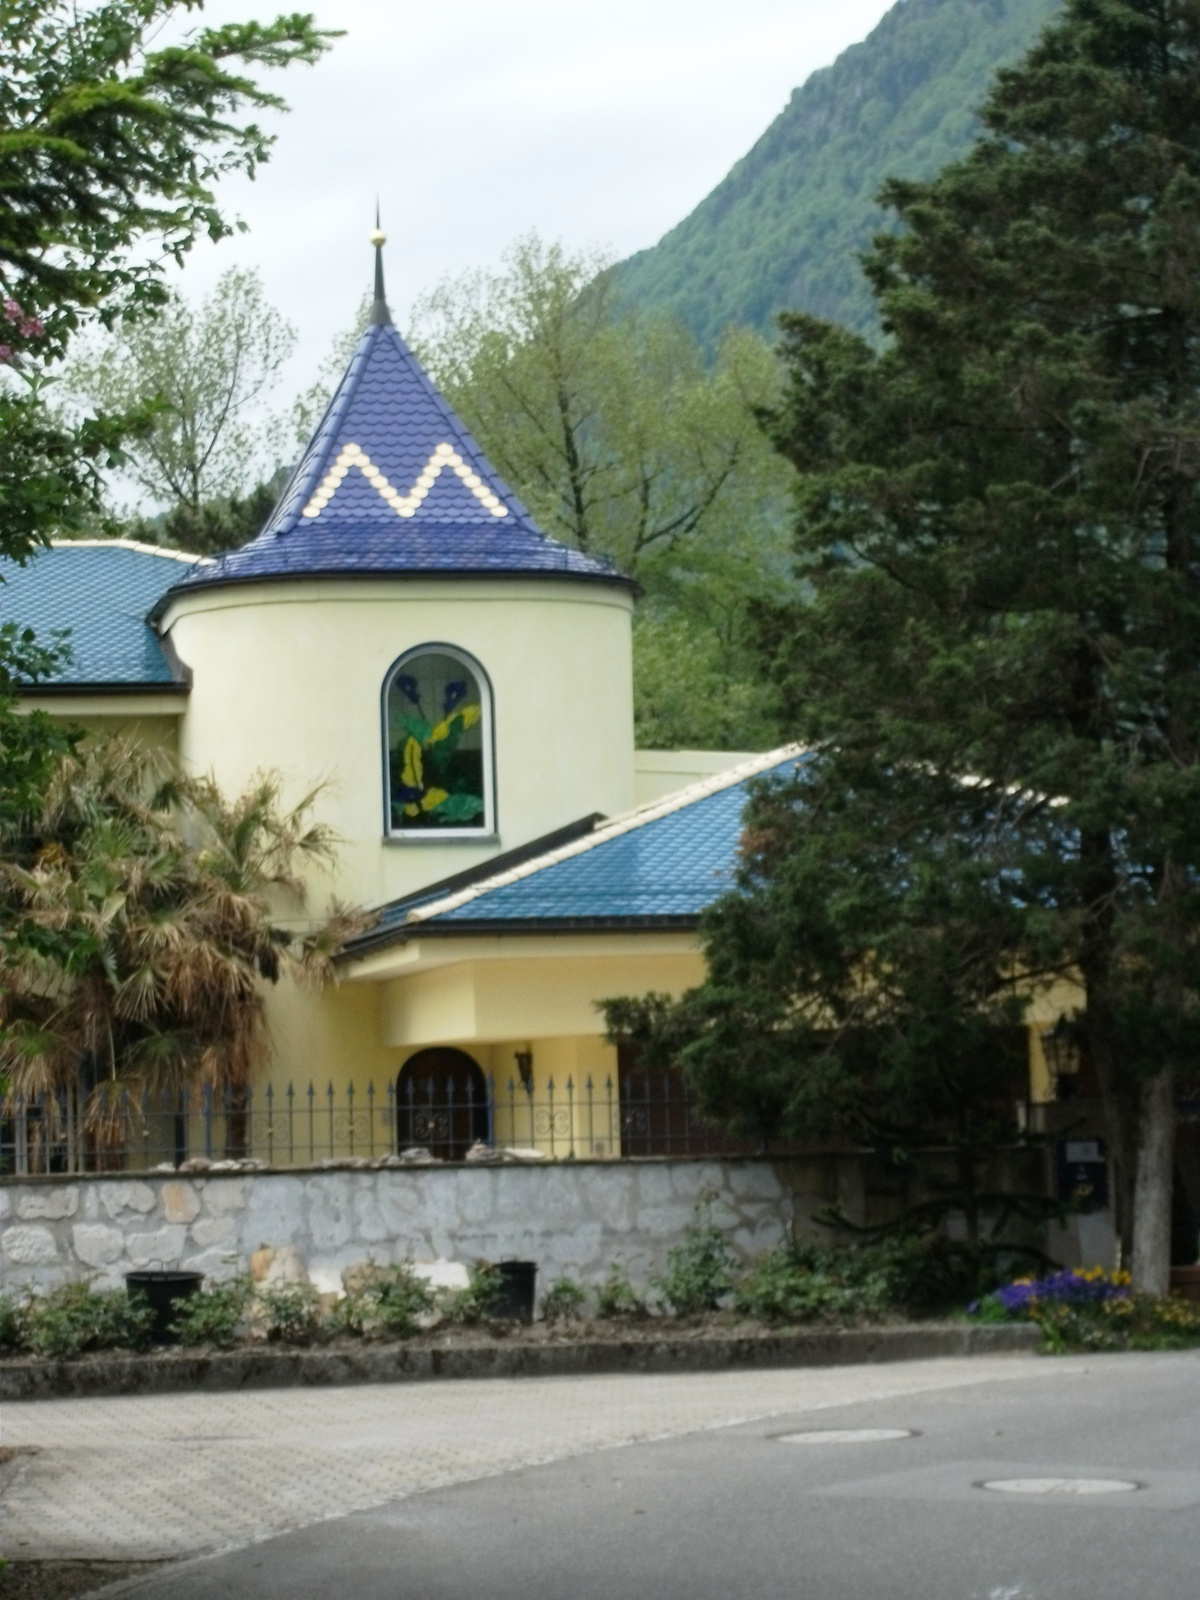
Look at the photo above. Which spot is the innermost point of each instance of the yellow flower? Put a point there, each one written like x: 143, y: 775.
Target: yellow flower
x: 470, y: 716
x: 431, y: 798
x: 413, y: 775
x: 412, y: 811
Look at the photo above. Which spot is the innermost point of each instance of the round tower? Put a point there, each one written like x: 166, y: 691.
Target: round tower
x: 404, y: 634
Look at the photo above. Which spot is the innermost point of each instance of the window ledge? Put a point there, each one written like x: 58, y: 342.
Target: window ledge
x: 407, y: 839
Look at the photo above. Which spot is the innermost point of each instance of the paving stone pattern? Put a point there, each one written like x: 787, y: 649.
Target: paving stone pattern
x: 574, y: 1218
x: 170, y: 1475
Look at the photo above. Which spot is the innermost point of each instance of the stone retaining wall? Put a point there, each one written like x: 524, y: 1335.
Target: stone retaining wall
x: 576, y: 1218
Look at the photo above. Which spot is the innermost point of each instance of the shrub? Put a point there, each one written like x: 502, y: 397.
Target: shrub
x: 616, y: 1296
x: 76, y: 1317
x: 699, y: 1271
x: 11, y: 1324
x: 213, y: 1316
x: 801, y: 1282
x: 477, y: 1302
x: 385, y: 1301
x: 289, y: 1313
x: 564, y: 1301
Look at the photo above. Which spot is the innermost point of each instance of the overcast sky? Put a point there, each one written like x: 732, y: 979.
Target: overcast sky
x: 601, y: 125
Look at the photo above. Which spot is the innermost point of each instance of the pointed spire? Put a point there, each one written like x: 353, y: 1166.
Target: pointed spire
x: 380, y: 315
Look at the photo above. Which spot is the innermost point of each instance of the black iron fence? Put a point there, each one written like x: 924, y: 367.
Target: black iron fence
x: 474, y: 1118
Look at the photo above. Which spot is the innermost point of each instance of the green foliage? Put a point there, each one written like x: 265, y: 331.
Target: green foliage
x: 386, y: 1302
x: 77, y: 1318
x: 625, y: 442
x: 564, y: 1301
x: 213, y: 526
x: 785, y: 228
x: 287, y: 1313
x: 11, y: 1326
x: 997, y: 659
x: 477, y: 1302
x: 616, y: 1296
x: 136, y: 929
x: 215, y: 1315
x: 699, y: 1275
x: 109, y: 151
x: 916, y: 1274
x: 200, y: 375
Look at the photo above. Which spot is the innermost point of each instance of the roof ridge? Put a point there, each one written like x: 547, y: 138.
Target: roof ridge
x: 132, y: 544
x: 627, y: 823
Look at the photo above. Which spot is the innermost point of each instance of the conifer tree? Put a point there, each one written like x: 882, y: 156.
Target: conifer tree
x: 1000, y: 528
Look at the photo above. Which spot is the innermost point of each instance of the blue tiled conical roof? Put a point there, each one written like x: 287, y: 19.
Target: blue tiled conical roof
x: 393, y: 484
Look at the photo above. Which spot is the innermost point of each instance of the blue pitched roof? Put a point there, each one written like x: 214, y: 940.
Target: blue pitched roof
x: 393, y: 484
x: 101, y: 591
x: 661, y: 867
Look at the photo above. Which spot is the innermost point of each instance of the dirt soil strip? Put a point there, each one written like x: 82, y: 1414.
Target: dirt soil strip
x: 65, y: 1580
x: 177, y: 1372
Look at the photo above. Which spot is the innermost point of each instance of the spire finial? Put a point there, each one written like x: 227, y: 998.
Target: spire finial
x: 380, y: 315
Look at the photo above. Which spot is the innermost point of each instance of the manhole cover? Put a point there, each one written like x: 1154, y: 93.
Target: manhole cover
x: 1061, y: 1485
x: 846, y: 1436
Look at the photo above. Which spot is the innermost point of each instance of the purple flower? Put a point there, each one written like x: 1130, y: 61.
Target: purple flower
x: 455, y: 692
x: 5, y: 353
x: 12, y: 311
x: 407, y: 686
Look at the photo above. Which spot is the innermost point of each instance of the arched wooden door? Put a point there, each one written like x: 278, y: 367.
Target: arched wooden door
x: 441, y: 1103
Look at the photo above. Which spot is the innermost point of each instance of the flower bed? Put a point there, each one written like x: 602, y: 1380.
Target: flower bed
x: 1090, y: 1309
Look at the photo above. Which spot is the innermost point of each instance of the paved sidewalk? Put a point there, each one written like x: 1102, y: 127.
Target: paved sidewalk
x: 174, y: 1475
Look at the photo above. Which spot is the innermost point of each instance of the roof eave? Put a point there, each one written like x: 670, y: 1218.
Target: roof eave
x: 616, y: 580
x: 96, y: 687
x: 518, y: 927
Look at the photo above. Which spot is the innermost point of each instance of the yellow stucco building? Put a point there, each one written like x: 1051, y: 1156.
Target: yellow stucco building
x: 402, y: 635
x: 459, y: 686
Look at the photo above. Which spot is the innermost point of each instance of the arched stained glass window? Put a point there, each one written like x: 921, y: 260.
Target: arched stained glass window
x: 438, y: 735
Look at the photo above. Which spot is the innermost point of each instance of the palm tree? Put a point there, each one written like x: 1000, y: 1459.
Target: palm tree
x: 139, y: 932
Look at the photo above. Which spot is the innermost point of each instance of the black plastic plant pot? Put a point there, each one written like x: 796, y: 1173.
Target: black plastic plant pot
x: 162, y: 1291
x: 515, y: 1290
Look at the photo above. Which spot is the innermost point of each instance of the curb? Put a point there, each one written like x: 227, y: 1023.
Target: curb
x: 175, y: 1373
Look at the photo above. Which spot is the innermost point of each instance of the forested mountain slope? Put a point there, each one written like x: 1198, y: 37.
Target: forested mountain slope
x: 785, y: 227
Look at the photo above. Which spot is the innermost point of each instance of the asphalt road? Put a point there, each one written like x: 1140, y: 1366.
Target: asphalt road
x: 742, y: 1513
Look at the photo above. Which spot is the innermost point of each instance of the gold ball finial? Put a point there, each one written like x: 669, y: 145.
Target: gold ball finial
x: 378, y: 236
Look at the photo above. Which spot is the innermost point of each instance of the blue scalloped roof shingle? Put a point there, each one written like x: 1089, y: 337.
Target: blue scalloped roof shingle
x: 387, y: 407
x: 101, y: 593
x: 672, y: 866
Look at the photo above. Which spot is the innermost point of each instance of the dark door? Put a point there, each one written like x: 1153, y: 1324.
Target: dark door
x: 441, y: 1103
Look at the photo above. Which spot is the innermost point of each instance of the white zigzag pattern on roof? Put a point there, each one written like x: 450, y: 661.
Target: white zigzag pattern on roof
x: 405, y: 505
x: 637, y: 818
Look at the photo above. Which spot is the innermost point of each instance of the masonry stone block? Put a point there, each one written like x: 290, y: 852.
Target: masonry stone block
x: 223, y: 1196
x: 209, y: 1231
x: 51, y: 1203
x: 180, y: 1201
x: 273, y: 1212
x: 370, y: 1224
x: 475, y: 1194
x: 119, y: 1197
x: 160, y: 1248
x: 330, y: 1211
x: 97, y: 1245
x: 29, y: 1246
x: 216, y: 1264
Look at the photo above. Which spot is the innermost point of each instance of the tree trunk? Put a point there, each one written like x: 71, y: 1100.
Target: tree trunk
x: 1152, y: 1191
